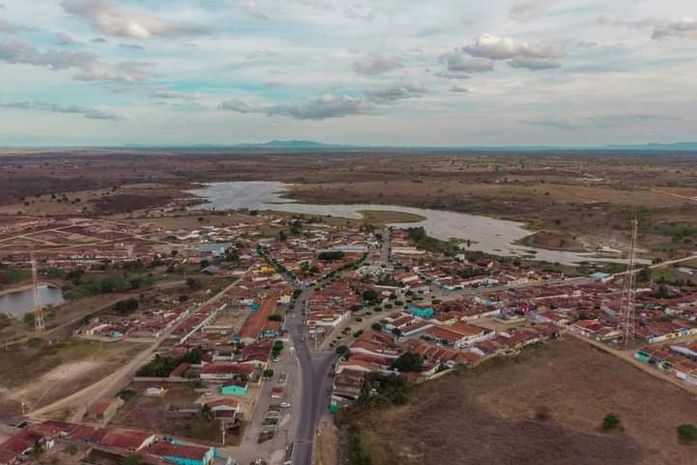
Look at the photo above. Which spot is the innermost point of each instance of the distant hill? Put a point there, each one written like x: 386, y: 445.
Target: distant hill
x: 290, y: 144
x: 678, y: 147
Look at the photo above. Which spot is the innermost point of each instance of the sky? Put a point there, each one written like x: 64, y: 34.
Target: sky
x: 363, y: 72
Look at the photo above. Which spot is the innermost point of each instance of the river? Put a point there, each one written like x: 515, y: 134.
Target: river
x: 488, y: 235
x: 17, y: 303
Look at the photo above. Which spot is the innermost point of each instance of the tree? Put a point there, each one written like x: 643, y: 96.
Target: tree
x: 193, y: 283
x: 376, y: 327
x: 207, y: 413
x: 342, y: 350
x: 28, y: 319
x: 409, y: 362
x: 277, y: 348
x: 268, y: 373
x: 397, y: 332
x: 611, y: 422
x: 130, y: 459
x: 687, y: 432
x: 370, y: 295
x: 282, y: 236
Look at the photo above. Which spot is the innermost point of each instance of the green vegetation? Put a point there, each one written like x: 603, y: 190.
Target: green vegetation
x: 342, y: 350
x: 330, y: 256
x: 127, y: 306
x: 376, y: 327
x: 356, y: 454
x: 430, y: 244
x: 277, y: 348
x: 380, y: 389
x: 109, y: 284
x: 268, y: 373
x: 10, y: 275
x: 687, y: 433
x: 409, y: 362
x: 161, y: 367
x: 611, y: 422
x: 127, y: 394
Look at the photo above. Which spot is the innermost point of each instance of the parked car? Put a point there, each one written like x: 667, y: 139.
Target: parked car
x: 285, y: 405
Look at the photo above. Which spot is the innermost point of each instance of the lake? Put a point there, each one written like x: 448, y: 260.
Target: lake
x: 19, y: 302
x: 488, y: 235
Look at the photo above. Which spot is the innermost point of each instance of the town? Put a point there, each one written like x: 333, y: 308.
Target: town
x: 227, y: 337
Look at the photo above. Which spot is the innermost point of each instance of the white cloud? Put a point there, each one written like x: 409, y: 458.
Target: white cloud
x: 109, y: 18
x: 504, y: 48
x: 128, y: 72
x: 533, y: 64
x: 251, y: 7
x: 323, y: 107
x: 386, y: 94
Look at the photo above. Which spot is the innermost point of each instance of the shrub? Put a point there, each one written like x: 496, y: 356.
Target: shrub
x: 687, y: 432
x: 611, y: 422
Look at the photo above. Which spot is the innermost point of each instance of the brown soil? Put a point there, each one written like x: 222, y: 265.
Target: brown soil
x: 545, y: 406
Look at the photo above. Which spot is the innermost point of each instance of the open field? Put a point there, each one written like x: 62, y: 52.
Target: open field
x: 41, y: 374
x: 579, y: 200
x: 545, y: 406
x: 149, y: 413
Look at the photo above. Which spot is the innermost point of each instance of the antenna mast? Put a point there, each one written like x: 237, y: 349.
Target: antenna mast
x: 627, y: 310
x: 39, y: 324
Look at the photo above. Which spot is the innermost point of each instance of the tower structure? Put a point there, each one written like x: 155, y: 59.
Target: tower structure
x: 627, y: 320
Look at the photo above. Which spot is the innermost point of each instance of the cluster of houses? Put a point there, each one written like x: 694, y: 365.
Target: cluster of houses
x: 30, y: 439
x: 678, y: 359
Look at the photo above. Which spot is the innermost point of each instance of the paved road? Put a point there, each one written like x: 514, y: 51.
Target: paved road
x: 316, y: 385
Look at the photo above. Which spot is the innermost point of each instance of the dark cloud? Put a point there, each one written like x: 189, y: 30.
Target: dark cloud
x: 90, y: 69
x: 376, y: 63
x: 525, y: 10
x: 107, y: 17
x: 604, y: 121
x: 394, y: 92
x: 533, y: 64
x: 168, y: 94
x: 86, y: 112
x: 65, y: 39
x: 323, y: 107
x: 457, y: 62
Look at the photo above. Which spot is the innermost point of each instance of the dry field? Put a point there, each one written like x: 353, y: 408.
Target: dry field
x: 579, y: 200
x: 41, y: 374
x: 149, y: 413
x: 544, y: 407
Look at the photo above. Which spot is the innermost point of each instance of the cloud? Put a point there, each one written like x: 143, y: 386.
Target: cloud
x: 376, y: 63
x: 331, y: 105
x: 20, y: 52
x: 251, y: 7
x: 127, y: 72
x: 685, y: 28
x: 109, y: 18
x: 505, y: 48
x: 173, y: 95
x: 458, y: 88
x: 136, y: 47
x: 90, y: 69
x: 7, y: 27
x: 604, y: 121
x: 323, y: 107
x: 86, y: 112
x: 525, y: 10
x: 65, y: 39
x: 456, y: 62
x: 394, y: 92
x: 533, y: 64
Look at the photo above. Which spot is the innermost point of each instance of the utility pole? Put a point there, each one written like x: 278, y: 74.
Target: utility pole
x: 627, y: 319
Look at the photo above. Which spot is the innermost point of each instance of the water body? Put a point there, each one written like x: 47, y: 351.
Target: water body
x: 18, y: 303
x: 488, y: 235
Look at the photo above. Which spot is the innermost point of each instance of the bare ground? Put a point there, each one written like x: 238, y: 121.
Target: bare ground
x: 544, y: 407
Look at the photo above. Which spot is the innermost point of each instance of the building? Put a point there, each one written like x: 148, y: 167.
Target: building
x: 104, y: 409
x: 182, y: 454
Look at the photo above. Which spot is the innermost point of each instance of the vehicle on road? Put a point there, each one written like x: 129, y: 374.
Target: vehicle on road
x: 285, y: 405
x: 276, y: 359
